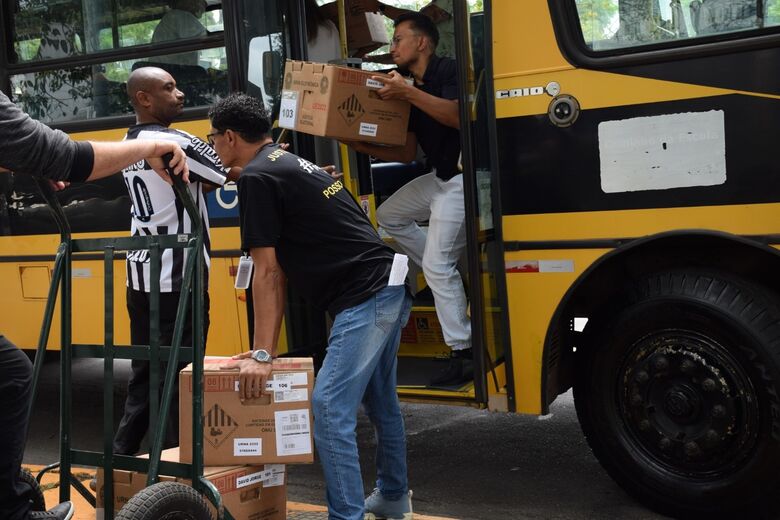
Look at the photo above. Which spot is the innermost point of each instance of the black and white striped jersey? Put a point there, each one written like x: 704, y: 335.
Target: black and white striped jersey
x: 156, y: 211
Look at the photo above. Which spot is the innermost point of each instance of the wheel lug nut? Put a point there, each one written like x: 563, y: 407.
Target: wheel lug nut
x: 719, y: 411
x: 688, y: 366
x: 709, y: 385
x: 692, y: 449
x: 644, y: 425
x: 642, y: 376
x: 660, y: 363
x: 665, y: 444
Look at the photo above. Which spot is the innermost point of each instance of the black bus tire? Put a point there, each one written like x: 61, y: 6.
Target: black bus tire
x: 677, y: 395
x: 166, y: 501
x: 38, y: 503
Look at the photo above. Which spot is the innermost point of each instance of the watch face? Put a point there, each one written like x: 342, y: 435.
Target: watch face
x: 262, y: 356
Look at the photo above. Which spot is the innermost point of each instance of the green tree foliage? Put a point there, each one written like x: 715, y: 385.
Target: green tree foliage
x: 596, y: 18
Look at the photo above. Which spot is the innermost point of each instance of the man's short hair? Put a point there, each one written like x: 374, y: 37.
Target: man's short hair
x: 243, y: 114
x: 420, y: 23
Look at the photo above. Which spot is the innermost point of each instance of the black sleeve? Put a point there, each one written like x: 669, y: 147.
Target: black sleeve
x: 449, y: 78
x: 82, y: 162
x: 260, y: 211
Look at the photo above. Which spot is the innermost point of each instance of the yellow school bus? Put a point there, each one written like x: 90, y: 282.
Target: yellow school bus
x: 622, y: 204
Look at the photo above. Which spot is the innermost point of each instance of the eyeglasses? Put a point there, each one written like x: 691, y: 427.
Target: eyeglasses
x: 397, y: 40
x: 210, y: 137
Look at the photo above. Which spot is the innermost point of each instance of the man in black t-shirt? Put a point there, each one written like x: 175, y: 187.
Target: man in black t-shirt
x: 437, y: 196
x: 299, y: 223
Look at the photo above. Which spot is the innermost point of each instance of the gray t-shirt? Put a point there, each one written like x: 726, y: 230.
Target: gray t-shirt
x: 28, y: 146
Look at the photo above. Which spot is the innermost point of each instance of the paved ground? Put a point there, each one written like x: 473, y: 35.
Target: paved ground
x: 463, y: 463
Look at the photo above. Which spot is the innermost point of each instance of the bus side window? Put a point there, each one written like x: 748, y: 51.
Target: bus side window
x: 717, y: 16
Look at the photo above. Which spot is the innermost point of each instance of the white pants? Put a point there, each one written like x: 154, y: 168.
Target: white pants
x: 442, y: 204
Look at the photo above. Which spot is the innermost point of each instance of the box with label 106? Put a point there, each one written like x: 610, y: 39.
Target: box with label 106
x: 273, y: 429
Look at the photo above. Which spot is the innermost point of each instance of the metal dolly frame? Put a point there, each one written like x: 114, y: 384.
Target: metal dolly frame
x: 154, y: 353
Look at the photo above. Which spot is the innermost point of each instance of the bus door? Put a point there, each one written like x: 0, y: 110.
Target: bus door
x: 490, y: 331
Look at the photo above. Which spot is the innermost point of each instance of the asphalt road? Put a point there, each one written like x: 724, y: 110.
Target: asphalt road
x: 463, y: 463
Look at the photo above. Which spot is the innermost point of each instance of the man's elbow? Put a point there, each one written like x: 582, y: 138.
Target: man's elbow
x: 268, y: 274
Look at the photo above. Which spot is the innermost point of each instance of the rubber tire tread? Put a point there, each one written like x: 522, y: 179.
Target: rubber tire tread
x: 739, y: 301
x: 165, y: 498
x: 36, y: 495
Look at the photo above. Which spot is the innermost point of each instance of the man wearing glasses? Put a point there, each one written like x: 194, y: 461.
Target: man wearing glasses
x: 156, y: 211
x: 436, y: 196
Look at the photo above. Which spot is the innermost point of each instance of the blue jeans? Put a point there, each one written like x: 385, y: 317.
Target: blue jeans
x: 360, y: 366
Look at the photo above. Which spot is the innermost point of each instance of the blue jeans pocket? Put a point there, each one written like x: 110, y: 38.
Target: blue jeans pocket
x: 389, y: 303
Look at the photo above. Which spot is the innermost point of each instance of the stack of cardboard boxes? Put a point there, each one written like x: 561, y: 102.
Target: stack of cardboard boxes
x: 246, y: 444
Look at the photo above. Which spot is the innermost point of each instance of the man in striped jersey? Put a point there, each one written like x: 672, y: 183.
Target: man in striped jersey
x: 156, y: 211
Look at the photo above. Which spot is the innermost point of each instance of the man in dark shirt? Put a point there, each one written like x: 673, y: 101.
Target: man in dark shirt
x: 300, y: 223
x: 27, y: 146
x: 437, y: 196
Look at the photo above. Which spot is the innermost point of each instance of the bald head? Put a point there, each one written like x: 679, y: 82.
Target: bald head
x: 154, y: 96
x: 145, y: 79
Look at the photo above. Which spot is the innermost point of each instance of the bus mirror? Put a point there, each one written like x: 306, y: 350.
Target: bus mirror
x: 272, y: 79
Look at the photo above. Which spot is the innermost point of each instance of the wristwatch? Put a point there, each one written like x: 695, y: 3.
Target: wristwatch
x: 262, y: 356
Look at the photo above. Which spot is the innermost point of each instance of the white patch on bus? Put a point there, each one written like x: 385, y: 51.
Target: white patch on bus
x: 663, y: 152
x: 556, y: 266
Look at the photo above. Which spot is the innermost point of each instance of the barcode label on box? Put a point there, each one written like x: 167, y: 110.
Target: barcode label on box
x: 368, y: 129
x: 292, y: 396
x: 277, y: 475
x: 288, y: 109
x: 294, y: 378
x: 293, y: 432
x: 247, y: 447
x: 373, y: 83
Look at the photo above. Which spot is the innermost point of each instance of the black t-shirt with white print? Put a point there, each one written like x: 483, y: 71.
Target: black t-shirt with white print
x: 157, y: 211
x: 324, y: 243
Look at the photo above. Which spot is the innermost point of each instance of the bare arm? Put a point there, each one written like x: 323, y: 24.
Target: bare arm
x: 445, y: 111
x: 392, y: 12
x: 268, y: 296
x: 112, y: 157
x: 405, y: 153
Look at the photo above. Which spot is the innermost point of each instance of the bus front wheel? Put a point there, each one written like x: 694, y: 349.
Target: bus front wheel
x: 677, y: 394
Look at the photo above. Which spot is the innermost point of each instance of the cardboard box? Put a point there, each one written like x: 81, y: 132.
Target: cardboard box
x: 274, y: 429
x: 366, y: 31
x: 342, y: 103
x: 248, y: 492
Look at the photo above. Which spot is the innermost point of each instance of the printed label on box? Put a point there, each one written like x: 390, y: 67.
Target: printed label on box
x: 295, y: 378
x: 277, y: 477
x: 368, y: 129
x: 247, y: 447
x: 291, y: 396
x: 373, y: 83
x: 253, y: 478
x: 288, y: 109
x: 293, y: 432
